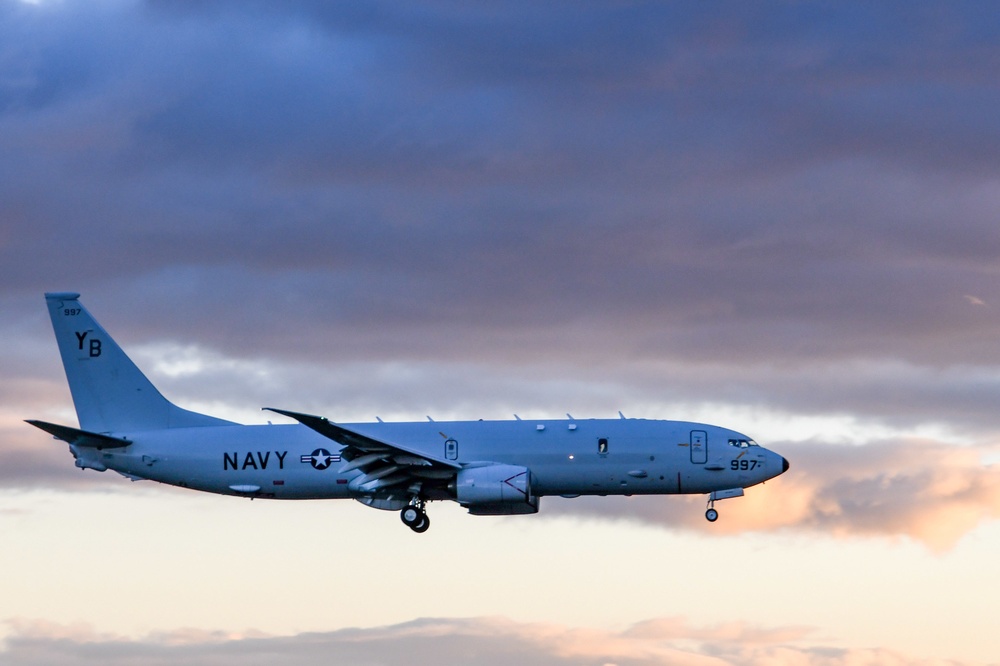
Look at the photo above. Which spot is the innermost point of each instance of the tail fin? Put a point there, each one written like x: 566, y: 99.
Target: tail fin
x: 110, y: 393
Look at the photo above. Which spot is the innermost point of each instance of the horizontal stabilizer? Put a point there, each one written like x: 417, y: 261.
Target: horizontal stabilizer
x: 80, y: 437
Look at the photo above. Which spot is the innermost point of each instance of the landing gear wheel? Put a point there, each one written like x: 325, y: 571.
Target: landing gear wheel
x: 414, y: 517
x: 712, y: 515
x: 411, y: 516
x: 423, y: 525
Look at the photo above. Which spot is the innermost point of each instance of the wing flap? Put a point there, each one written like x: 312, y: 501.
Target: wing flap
x: 361, y: 461
x: 385, y: 482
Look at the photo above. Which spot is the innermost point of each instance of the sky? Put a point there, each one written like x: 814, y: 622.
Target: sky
x: 779, y: 217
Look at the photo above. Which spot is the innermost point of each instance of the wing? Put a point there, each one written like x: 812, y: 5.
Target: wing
x: 388, y: 470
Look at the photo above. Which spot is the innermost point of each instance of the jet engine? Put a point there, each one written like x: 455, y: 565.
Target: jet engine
x: 495, y: 490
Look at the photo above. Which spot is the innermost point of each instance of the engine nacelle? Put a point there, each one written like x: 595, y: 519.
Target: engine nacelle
x: 496, y: 490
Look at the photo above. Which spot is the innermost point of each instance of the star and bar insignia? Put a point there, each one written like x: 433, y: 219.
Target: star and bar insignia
x: 320, y: 458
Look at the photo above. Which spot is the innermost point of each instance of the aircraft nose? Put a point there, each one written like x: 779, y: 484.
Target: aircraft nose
x: 784, y: 465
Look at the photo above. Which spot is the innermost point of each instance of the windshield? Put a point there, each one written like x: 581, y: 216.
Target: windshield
x: 742, y: 443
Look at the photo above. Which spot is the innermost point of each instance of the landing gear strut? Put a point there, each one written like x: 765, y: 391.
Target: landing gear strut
x: 415, y: 517
x: 711, y: 515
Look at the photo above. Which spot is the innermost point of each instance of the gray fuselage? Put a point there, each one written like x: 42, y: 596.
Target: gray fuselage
x: 565, y: 457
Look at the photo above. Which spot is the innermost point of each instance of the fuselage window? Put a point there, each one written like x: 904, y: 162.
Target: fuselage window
x: 602, y: 446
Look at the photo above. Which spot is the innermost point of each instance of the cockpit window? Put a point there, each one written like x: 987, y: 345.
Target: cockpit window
x: 742, y: 443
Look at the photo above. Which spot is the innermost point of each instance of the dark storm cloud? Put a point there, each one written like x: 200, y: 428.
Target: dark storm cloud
x: 782, y: 204
x: 447, y: 641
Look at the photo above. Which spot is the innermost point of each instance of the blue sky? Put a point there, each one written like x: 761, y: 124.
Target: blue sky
x: 779, y: 217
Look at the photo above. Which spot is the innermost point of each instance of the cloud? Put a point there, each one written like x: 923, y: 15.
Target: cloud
x: 714, y: 186
x: 423, y: 208
x: 447, y: 641
x: 924, y: 490
x: 927, y: 491
x: 30, y: 459
x: 772, y: 206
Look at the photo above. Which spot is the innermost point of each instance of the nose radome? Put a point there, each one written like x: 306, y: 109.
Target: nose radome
x: 784, y: 465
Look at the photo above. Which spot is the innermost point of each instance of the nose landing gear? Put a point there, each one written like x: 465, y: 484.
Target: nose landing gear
x: 415, y: 517
x: 711, y: 515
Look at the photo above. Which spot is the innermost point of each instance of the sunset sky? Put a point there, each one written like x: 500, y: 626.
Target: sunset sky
x: 778, y: 217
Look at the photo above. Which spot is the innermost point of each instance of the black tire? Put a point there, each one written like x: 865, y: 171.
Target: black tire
x: 410, y: 515
x: 422, y: 526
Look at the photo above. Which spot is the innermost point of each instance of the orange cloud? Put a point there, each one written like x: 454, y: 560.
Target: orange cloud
x: 932, y: 492
x: 486, y: 641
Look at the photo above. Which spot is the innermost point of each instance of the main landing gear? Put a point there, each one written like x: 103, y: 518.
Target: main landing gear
x: 415, y: 517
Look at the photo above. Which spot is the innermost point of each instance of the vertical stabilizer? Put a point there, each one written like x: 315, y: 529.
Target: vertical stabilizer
x: 110, y: 393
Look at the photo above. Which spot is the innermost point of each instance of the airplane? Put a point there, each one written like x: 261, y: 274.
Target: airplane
x: 490, y: 468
